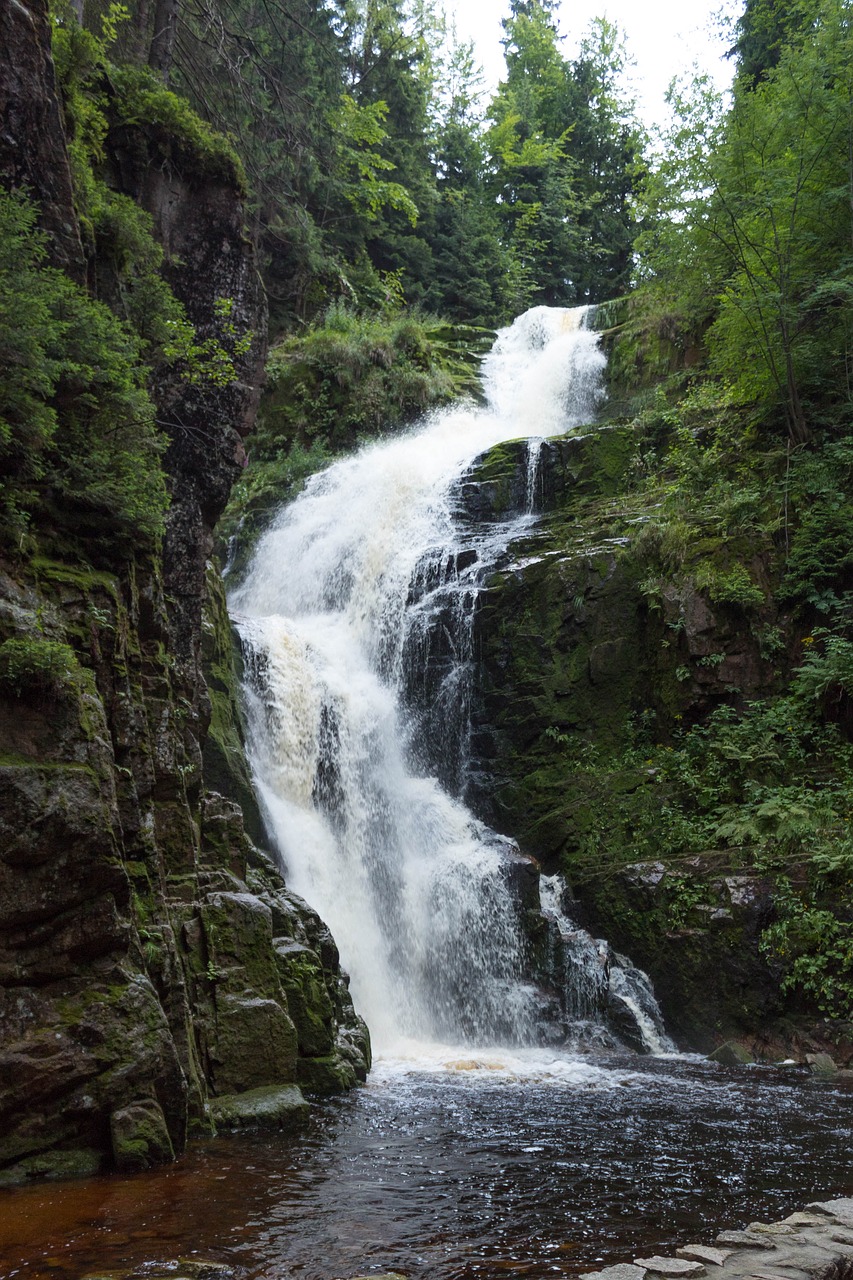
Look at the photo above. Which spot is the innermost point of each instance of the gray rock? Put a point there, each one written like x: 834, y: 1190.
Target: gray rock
x: 671, y: 1266
x: 705, y: 1253
x: 841, y: 1208
x: 622, y: 1271
x: 743, y: 890
x: 820, y: 1064
x: 790, y: 1273
x: 745, y: 1240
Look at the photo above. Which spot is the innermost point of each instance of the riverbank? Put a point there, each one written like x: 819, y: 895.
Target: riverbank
x: 815, y: 1243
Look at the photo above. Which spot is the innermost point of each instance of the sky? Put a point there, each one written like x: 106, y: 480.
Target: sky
x: 664, y: 37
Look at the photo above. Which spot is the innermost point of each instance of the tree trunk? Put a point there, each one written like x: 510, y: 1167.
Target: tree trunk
x: 140, y: 41
x: 798, y: 429
x: 163, y: 40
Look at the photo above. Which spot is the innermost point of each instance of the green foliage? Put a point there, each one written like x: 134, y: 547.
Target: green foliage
x: 820, y: 555
x: 728, y: 586
x: 748, y: 234
x: 762, y: 30
x: 564, y: 149
x: 34, y: 665
x: 359, y: 131
x: 169, y: 121
x: 766, y: 789
x: 816, y: 949
x: 77, y: 422
x: 79, y: 447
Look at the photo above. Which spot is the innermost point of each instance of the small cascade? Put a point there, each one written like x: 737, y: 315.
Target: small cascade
x: 598, y: 988
x: 356, y: 618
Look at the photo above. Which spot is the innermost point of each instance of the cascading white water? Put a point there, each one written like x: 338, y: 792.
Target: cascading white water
x: 342, y: 593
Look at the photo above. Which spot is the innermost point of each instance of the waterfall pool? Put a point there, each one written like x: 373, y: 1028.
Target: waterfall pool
x: 524, y: 1163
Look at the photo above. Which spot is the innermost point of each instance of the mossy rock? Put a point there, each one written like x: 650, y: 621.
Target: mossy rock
x: 54, y: 1166
x: 332, y: 1074
x: 140, y: 1138
x: 731, y: 1054
x: 308, y: 1001
x: 274, y: 1107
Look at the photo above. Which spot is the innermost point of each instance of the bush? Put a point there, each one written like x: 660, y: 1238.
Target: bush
x: 76, y: 421
x: 35, y: 665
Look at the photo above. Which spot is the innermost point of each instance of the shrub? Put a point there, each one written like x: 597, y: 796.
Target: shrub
x: 36, y: 665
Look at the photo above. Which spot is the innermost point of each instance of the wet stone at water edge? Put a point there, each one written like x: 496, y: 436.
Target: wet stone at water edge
x: 817, y: 1245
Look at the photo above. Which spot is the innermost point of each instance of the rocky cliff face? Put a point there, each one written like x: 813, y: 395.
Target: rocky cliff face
x: 580, y: 659
x: 155, y: 974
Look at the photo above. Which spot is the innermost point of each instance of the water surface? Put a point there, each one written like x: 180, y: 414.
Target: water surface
x: 492, y: 1165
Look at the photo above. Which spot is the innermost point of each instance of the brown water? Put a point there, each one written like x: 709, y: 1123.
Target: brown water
x: 534, y: 1169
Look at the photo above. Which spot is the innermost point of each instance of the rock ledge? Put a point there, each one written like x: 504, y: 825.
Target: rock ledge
x: 814, y: 1245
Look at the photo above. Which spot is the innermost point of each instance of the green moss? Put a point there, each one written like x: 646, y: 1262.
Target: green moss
x: 224, y: 763
x: 308, y: 1000
x: 271, y: 1107
x: 50, y: 1166
x: 170, y: 123
x: 87, y: 580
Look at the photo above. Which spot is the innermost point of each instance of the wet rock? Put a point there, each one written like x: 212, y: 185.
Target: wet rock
x: 308, y: 1001
x: 332, y: 1074
x: 137, y: 965
x: 140, y: 1137
x: 384, y: 1275
x: 176, y: 1269
x: 731, y: 1054
x: 255, y: 1043
x: 53, y: 1166
x: 271, y: 1108
x: 820, y: 1064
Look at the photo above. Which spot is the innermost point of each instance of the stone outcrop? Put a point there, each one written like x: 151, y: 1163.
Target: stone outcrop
x: 814, y: 1245
x: 571, y: 651
x: 156, y: 976
x: 32, y: 130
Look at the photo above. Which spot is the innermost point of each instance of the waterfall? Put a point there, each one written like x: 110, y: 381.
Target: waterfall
x: 356, y: 619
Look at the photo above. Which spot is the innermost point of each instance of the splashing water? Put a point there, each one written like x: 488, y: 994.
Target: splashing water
x: 356, y: 621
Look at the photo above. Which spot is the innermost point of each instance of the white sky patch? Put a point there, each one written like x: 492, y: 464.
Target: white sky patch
x: 664, y: 37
